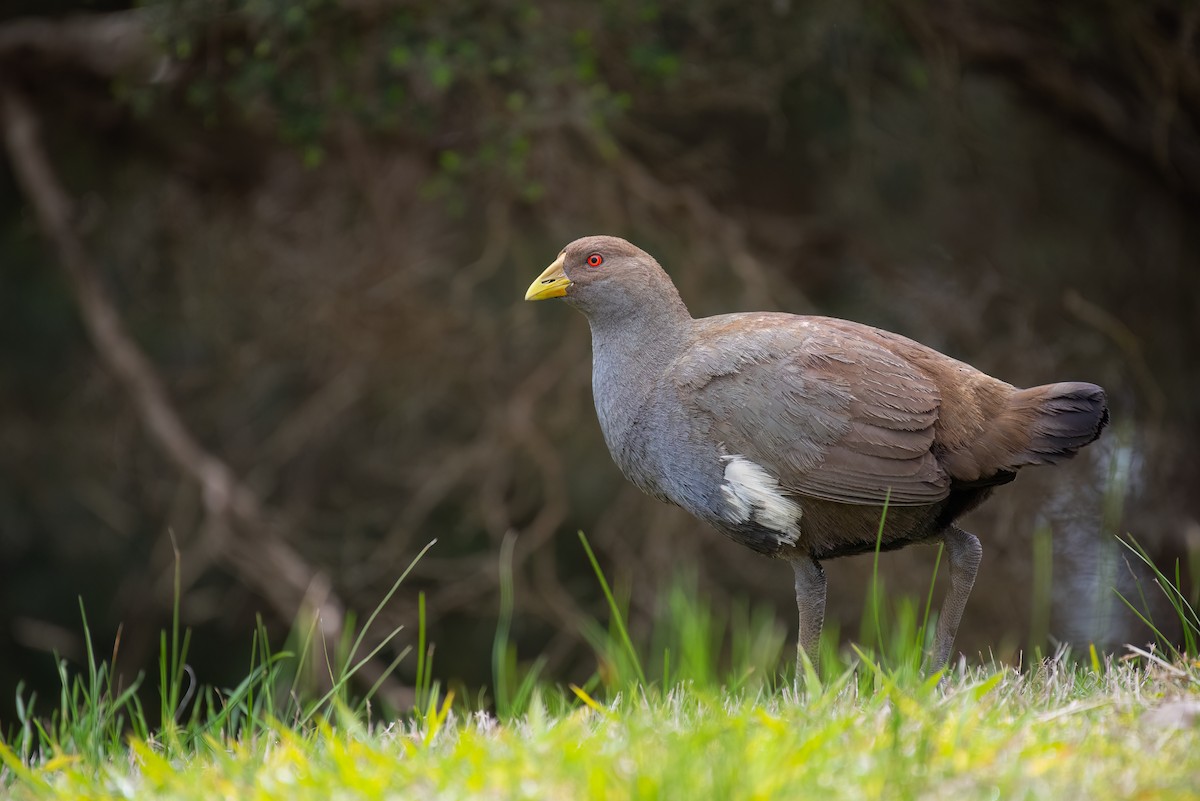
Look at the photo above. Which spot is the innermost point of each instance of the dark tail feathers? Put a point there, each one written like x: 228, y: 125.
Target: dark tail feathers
x: 1062, y: 419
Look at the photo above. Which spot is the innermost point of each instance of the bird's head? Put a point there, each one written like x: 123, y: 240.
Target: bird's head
x: 605, y: 275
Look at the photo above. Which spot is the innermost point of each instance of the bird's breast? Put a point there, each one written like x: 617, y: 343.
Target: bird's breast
x: 636, y: 423
x: 678, y: 458
x: 633, y: 437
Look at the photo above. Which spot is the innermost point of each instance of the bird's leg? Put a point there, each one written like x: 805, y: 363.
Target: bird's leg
x: 810, y: 601
x: 963, y: 553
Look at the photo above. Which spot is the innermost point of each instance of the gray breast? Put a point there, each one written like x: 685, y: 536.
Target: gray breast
x: 660, y: 449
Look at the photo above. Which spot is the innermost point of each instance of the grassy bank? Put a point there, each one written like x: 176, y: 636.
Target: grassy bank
x: 712, y: 715
x: 1060, y: 733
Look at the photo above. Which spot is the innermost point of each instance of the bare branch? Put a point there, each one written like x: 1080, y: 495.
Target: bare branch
x: 117, y: 43
x: 256, y: 551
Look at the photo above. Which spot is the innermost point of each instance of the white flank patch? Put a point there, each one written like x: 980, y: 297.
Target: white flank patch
x: 755, y: 494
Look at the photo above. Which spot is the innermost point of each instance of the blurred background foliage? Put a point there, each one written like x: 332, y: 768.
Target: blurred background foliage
x: 317, y: 219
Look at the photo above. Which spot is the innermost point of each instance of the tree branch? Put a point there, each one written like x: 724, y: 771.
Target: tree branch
x: 239, y: 530
x: 116, y: 43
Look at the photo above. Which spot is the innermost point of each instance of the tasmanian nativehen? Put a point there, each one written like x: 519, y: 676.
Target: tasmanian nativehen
x: 789, y: 434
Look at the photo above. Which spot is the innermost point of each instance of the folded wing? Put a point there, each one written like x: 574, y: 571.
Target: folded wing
x: 831, y: 414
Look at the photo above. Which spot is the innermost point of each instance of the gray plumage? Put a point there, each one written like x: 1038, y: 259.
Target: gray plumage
x: 788, y: 433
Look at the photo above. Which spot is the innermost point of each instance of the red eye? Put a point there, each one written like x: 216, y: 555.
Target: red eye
x: 595, y: 260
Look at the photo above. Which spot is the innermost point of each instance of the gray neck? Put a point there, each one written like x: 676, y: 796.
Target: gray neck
x: 630, y: 353
x: 634, y: 340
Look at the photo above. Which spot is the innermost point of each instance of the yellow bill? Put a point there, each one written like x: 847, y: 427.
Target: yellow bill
x: 552, y: 283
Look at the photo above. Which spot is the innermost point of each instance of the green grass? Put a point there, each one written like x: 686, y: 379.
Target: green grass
x: 1061, y: 733
x: 706, y: 707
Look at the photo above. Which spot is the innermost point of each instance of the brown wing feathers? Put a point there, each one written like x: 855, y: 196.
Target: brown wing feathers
x: 847, y: 413
x: 831, y: 413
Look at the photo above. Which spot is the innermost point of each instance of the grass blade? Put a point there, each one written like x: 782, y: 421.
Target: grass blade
x: 616, y: 611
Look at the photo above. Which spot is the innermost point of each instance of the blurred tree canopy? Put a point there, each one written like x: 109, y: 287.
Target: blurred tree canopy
x: 262, y: 265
